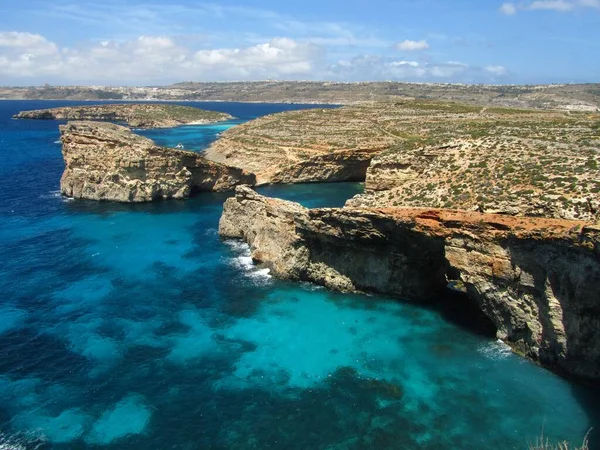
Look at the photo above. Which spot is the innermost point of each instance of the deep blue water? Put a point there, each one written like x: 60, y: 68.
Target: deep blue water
x: 134, y: 326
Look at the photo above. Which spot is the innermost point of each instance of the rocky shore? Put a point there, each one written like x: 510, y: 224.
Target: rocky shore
x: 537, y: 279
x: 105, y: 161
x: 136, y: 115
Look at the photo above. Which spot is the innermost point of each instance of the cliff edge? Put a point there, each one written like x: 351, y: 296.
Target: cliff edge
x: 537, y: 279
x: 431, y: 154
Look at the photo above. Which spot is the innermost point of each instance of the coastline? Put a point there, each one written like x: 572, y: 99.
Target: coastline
x: 510, y: 268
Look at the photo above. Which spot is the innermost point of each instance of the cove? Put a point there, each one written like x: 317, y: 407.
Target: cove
x: 135, y: 326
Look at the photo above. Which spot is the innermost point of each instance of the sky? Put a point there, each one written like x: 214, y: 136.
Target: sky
x: 158, y: 42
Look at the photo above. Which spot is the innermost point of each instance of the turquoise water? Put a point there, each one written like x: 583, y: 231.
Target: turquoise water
x: 134, y: 326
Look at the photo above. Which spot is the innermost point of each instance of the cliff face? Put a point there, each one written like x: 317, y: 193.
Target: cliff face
x: 108, y: 162
x: 317, y: 145
x: 538, y: 280
x: 426, y: 154
x: 348, y: 165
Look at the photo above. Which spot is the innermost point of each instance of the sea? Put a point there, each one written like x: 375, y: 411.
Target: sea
x: 134, y: 326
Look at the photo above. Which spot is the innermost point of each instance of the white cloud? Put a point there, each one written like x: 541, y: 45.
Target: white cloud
x: 279, y: 57
x: 30, y: 59
x: 411, y: 46
x: 151, y: 59
x: 556, y: 5
x: 550, y: 5
x: 509, y: 9
x: 496, y: 70
x: 14, y: 41
x: 371, y: 67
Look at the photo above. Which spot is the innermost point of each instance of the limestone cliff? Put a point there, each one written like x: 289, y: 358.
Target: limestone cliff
x: 137, y: 115
x: 427, y: 154
x: 499, y: 174
x: 538, y: 280
x: 317, y: 145
x: 108, y: 162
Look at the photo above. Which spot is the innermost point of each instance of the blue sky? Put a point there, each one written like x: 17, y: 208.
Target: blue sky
x: 143, y: 42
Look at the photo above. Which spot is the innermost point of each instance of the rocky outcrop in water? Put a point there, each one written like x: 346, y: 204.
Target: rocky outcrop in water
x: 137, y: 115
x: 538, y: 280
x: 105, y: 161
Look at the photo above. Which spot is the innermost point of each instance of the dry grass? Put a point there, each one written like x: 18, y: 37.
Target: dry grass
x: 543, y: 443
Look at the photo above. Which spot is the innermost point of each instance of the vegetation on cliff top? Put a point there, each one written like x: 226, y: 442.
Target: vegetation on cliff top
x: 444, y: 154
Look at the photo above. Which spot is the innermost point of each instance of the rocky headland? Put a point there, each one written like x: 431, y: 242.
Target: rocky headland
x: 105, y: 161
x: 316, y: 145
x: 536, y: 279
x: 502, y: 204
x: 136, y: 115
x: 423, y: 153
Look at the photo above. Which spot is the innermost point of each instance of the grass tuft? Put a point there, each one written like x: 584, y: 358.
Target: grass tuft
x: 543, y: 443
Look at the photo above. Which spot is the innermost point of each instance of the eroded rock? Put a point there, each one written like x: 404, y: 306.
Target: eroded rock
x: 109, y: 162
x: 537, y: 279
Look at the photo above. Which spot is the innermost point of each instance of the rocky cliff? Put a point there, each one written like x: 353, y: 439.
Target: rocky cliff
x: 137, y: 115
x: 108, y: 162
x: 426, y: 154
x: 317, y: 145
x: 495, y: 174
x: 538, y: 280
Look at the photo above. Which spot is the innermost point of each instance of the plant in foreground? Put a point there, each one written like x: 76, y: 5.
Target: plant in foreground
x: 543, y: 443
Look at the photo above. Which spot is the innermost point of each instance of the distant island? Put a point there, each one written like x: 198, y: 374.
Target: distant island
x: 578, y: 97
x: 135, y: 115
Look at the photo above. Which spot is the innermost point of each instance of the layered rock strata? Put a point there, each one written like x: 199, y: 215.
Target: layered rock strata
x: 538, y: 280
x: 137, y: 115
x: 108, y: 162
x: 499, y: 174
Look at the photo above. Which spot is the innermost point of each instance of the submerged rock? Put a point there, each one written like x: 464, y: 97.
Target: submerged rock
x: 105, y: 161
x: 537, y: 279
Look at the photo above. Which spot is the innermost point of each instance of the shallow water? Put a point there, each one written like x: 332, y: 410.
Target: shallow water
x: 134, y: 326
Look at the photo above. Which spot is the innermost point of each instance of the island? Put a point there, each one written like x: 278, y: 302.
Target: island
x: 499, y: 204
x: 135, y: 115
x: 570, y: 97
x: 105, y: 161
